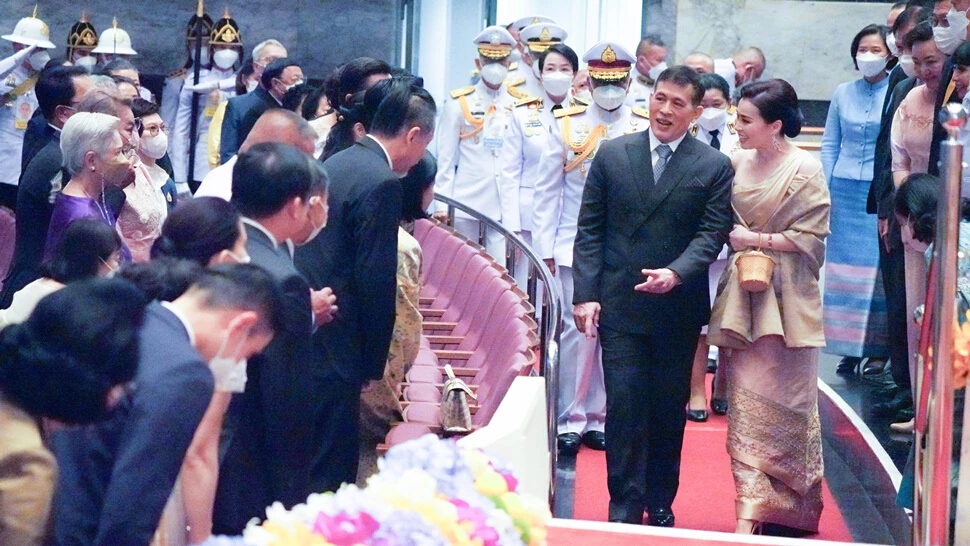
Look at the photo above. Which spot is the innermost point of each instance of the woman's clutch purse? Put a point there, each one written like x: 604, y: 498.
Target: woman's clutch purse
x: 456, y: 418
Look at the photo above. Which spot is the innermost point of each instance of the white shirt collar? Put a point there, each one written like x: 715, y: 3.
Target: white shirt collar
x: 257, y: 225
x: 673, y: 145
x: 182, y: 318
x: 386, y: 154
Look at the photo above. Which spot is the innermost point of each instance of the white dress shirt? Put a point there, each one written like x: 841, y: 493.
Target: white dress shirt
x: 654, y: 156
x: 218, y: 183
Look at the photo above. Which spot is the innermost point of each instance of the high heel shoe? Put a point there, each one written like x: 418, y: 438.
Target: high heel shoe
x: 719, y: 406
x: 697, y: 415
x: 849, y: 365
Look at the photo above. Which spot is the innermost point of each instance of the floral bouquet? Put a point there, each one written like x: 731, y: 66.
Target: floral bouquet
x: 427, y: 492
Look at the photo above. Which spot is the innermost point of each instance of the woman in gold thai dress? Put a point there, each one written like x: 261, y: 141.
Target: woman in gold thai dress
x: 772, y: 338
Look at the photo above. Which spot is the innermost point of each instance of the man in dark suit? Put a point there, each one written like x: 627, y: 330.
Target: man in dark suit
x: 268, y: 437
x: 59, y: 90
x: 357, y: 257
x: 116, y: 476
x: 242, y: 112
x: 657, y: 206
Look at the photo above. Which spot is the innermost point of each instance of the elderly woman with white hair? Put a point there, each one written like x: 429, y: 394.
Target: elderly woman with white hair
x: 93, y: 156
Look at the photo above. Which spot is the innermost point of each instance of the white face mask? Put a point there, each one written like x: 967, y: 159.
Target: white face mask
x: 908, y: 66
x: 494, y: 74
x: 87, y: 62
x: 516, y: 55
x: 229, y: 371
x: 585, y: 96
x: 225, y: 58
x: 316, y: 229
x: 948, y: 39
x: 712, y: 118
x: 557, y: 84
x: 891, y: 44
x: 250, y: 85
x: 609, y: 97
x: 871, y: 64
x: 154, y: 146
x: 656, y: 70
x: 39, y: 59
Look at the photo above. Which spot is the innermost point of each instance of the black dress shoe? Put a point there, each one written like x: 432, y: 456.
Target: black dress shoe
x: 697, y: 415
x: 711, y: 365
x: 660, y: 517
x: 595, y: 439
x: 889, y: 408
x: 874, y: 366
x: 719, y: 406
x: 568, y: 443
x: 848, y: 365
x: 904, y: 415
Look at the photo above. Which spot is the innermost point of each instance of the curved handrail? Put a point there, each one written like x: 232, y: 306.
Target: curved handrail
x: 550, y: 328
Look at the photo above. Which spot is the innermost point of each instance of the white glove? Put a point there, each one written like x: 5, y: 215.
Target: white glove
x: 7, y: 65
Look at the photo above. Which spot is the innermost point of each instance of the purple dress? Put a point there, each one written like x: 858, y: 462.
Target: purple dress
x: 67, y: 209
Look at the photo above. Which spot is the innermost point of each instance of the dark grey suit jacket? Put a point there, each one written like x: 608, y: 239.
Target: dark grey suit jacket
x: 269, y: 431
x: 241, y: 115
x: 628, y: 223
x: 879, y: 200
x: 357, y: 257
x: 116, y: 476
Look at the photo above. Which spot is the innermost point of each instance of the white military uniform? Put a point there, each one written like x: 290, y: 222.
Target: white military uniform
x: 725, y: 68
x: 471, y: 134
x: 168, y: 109
x: 560, y: 180
x: 208, y: 103
x: 523, y: 82
x: 17, y: 104
x: 641, y: 87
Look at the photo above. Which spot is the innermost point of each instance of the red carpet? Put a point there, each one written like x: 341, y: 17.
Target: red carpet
x: 705, y: 500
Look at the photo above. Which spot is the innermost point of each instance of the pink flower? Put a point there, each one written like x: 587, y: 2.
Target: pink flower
x: 510, y: 481
x: 345, y: 530
x: 475, y: 522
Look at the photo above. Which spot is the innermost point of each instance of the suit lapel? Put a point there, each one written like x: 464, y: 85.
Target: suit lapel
x: 676, y: 171
x: 639, y: 153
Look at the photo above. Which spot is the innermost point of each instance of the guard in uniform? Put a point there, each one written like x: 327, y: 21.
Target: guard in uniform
x: 225, y: 44
x: 651, y: 55
x: 81, y: 43
x: 471, y: 133
x: 31, y: 45
x: 560, y: 180
x: 200, y: 21
x: 533, y: 133
x: 523, y: 78
x: 114, y: 43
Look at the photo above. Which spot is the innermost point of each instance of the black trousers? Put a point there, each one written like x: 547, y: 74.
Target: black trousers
x: 8, y: 196
x: 337, y: 419
x: 647, y: 380
x: 894, y: 282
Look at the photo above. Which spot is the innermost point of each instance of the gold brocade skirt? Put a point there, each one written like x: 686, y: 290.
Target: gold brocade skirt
x: 774, y: 436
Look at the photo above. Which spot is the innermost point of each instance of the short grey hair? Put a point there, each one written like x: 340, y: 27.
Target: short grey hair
x: 86, y: 132
x: 258, y: 50
x: 105, y: 83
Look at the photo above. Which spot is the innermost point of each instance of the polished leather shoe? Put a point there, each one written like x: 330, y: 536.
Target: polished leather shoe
x: 889, y: 408
x: 711, y: 365
x: 719, y: 406
x: 595, y: 439
x: 568, y: 443
x: 697, y: 415
x: 849, y: 365
x: 660, y: 517
x: 903, y: 415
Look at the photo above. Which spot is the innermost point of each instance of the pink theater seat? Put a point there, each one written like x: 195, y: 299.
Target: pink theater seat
x: 421, y: 229
x: 427, y: 413
x: 403, y: 432
x: 8, y: 236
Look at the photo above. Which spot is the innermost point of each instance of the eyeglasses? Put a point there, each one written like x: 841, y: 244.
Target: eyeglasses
x: 128, y: 151
x: 325, y: 114
x: 153, y: 130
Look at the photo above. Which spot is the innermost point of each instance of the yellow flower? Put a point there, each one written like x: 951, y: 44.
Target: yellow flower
x: 297, y: 535
x: 491, y: 484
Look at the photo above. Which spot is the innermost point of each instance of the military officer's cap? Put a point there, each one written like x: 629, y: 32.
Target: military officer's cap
x: 608, y: 61
x: 226, y: 31
x: 494, y: 42
x: 200, y: 24
x: 114, y: 41
x: 83, y: 36
x: 530, y: 20
x: 31, y: 31
x: 542, y: 35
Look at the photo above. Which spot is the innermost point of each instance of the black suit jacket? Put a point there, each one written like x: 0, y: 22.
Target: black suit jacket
x: 36, y: 136
x: 116, y: 476
x: 356, y: 255
x: 241, y: 114
x: 879, y: 200
x: 628, y: 223
x: 35, y: 203
x: 268, y: 429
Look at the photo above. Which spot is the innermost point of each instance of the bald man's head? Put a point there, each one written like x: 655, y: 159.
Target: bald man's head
x: 702, y: 63
x: 752, y: 59
x: 278, y: 125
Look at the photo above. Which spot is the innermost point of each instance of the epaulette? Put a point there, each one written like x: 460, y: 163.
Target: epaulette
x: 180, y: 73
x: 462, y: 92
x: 517, y: 93
x: 642, y: 112
x: 571, y: 111
x: 526, y: 100
x: 514, y: 82
x: 732, y: 109
x: 578, y: 100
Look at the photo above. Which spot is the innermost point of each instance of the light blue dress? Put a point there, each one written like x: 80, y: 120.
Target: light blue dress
x: 854, y: 301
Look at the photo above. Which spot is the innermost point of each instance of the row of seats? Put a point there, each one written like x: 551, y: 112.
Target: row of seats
x: 477, y: 320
